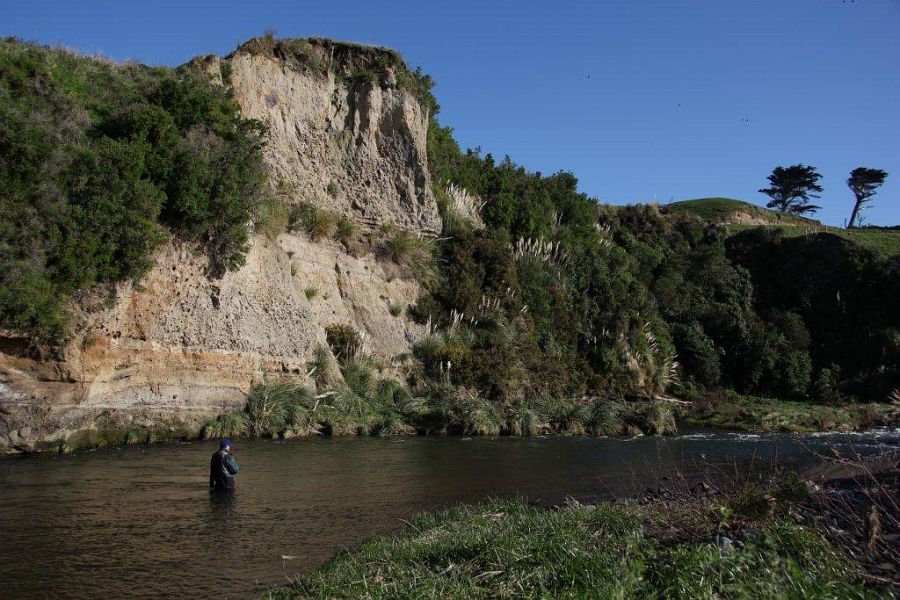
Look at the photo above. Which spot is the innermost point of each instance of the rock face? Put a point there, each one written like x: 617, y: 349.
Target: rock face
x: 357, y: 147
x: 169, y: 354
x: 180, y: 348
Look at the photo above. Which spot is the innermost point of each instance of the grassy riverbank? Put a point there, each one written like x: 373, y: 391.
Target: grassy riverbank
x: 511, y: 549
x: 754, y: 414
x: 385, y: 408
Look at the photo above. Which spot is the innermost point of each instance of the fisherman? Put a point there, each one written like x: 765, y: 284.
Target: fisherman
x: 222, y: 468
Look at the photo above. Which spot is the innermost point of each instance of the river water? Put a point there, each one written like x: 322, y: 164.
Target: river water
x: 139, y: 521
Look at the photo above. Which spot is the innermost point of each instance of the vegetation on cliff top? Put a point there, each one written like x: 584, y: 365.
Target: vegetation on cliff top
x: 99, y: 163
x: 738, y: 216
x: 727, y: 210
x: 347, y: 60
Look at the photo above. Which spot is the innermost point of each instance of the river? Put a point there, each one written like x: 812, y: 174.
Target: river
x: 139, y: 521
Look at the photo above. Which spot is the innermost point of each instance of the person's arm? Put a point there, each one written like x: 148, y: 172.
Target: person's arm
x: 231, y: 465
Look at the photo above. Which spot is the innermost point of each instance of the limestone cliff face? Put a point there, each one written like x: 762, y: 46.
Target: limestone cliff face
x: 173, y: 351
x: 354, y: 147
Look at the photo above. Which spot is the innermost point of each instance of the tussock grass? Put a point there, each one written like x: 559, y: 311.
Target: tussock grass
x: 479, y: 416
x: 411, y: 251
x: 315, y: 221
x: 228, y: 424
x: 346, y: 230
x: 521, y: 419
x: 608, y: 418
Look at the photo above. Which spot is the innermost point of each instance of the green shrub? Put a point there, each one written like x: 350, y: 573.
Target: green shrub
x: 316, y: 222
x: 228, y: 424
x: 607, y: 418
x: 521, y: 419
x: 99, y: 163
x: 344, y: 340
x: 346, y: 229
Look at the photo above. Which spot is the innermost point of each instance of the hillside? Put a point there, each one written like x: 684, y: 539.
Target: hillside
x: 736, y: 212
x: 738, y: 216
x: 219, y: 247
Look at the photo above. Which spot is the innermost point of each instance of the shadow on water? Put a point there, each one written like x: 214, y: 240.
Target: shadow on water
x: 221, y: 503
x: 140, y: 521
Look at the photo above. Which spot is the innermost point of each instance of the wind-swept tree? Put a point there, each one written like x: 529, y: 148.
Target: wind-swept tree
x: 792, y: 187
x: 863, y: 182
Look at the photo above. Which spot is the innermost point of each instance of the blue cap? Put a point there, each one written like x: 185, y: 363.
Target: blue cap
x: 224, y: 442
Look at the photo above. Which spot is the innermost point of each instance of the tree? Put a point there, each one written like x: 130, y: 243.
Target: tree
x: 863, y: 182
x: 792, y: 187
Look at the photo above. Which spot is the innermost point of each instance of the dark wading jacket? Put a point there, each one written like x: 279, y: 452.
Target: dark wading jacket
x: 222, y: 469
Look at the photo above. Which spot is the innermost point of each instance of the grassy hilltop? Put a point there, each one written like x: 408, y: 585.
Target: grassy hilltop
x: 738, y: 216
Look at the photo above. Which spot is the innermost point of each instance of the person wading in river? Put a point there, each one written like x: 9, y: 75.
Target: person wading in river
x: 222, y: 468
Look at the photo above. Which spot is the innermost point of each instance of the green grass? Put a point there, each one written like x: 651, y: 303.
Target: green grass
x: 509, y: 549
x: 750, y: 413
x: 722, y: 210
x: 885, y: 242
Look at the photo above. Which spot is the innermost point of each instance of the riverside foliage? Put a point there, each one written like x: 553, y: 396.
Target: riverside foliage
x: 352, y: 399
x: 641, y: 301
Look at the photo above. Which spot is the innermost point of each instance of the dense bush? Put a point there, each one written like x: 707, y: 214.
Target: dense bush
x: 562, y: 296
x: 99, y: 163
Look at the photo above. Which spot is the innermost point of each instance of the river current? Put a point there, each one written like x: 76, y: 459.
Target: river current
x: 140, y: 522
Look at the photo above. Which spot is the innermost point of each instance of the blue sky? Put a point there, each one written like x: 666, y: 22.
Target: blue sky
x: 641, y: 100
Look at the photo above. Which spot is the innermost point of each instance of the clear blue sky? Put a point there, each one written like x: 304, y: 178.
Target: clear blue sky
x: 643, y: 100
